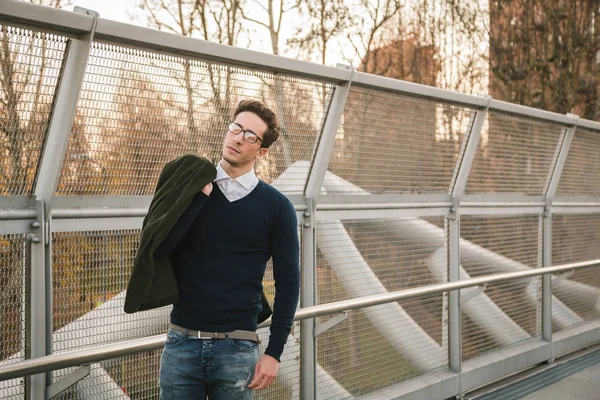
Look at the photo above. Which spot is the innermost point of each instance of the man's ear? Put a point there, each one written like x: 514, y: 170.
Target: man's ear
x: 262, y: 152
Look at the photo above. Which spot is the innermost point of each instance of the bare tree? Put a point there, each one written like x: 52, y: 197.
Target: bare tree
x: 541, y: 53
x: 327, y: 20
x: 211, y: 20
x: 275, y: 10
x: 369, y: 34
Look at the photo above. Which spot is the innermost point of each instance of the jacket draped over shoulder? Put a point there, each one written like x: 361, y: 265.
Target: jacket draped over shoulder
x: 152, y: 283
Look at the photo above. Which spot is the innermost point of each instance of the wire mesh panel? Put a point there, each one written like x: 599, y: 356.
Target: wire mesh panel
x: 581, y: 174
x: 507, y: 312
x: 378, y: 346
x: 390, y: 143
x: 134, y: 377
x: 287, y: 383
x: 13, y: 254
x: 30, y: 67
x: 90, y: 274
x: 575, y: 238
x: 138, y: 110
x: 515, y: 154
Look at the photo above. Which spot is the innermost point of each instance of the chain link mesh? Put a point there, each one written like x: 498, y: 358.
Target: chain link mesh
x: 287, y: 384
x: 508, y: 240
x: 356, y: 258
x: 575, y: 238
x: 90, y: 274
x: 515, y: 154
x: 13, y: 255
x: 30, y: 64
x: 135, y: 376
x: 391, y: 143
x: 581, y: 174
x: 138, y: 110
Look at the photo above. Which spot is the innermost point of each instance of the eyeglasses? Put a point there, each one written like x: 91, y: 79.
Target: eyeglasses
x: 249, y: 136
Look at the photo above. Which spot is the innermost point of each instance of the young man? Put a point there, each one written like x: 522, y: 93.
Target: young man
x: 220, y: 247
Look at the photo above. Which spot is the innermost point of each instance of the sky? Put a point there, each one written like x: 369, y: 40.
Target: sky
x: 110, y: 9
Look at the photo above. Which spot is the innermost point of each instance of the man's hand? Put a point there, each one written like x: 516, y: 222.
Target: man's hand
x: 264, y: 373
x: 207, y: 189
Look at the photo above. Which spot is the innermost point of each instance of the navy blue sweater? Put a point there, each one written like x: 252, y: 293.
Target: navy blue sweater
x: 221, y: 249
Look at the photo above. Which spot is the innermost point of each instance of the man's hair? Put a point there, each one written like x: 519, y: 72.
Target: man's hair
x: 264, y: 113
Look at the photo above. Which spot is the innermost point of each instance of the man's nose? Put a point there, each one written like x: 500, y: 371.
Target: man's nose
x: 238, y: 138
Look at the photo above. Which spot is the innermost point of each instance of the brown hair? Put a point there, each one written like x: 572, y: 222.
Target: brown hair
x: 264, y: 113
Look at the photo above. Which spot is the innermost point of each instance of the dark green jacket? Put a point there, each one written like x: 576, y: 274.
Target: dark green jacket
x: 152, y: 283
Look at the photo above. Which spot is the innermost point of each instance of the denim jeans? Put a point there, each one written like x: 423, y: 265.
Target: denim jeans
x: 193, y: 368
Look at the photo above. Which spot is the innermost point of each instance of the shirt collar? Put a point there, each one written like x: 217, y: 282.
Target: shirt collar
x: 245, y: 180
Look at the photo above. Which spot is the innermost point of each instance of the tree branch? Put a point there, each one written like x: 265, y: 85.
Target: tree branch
x: 252, y: 19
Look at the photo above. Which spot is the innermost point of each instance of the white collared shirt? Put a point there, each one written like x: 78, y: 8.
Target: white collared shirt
x: 235, y: 189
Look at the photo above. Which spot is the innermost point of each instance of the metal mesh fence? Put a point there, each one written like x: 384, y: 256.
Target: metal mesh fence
x: 581, y: 174
x: 361, y: 358
x: 30, y: 65
x: 90, y: 274
x: 507, y: 312
x: 395, y: 250
x: 575, y: 238
x: 379, y: 346
x: 287, y: 384
x: 13, y: 254
x: 390, y: 143
x: 138, y: 110
x: 515, y: 154
x: 134, y: 377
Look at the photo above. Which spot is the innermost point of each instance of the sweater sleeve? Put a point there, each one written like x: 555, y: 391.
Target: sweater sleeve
x: 285, y: 251
x: 181, y: 226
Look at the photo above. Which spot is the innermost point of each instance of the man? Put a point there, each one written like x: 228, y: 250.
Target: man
x: 220, y: 247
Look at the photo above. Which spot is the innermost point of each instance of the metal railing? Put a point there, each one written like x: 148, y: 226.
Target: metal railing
x: 397, y: 186
x: 105, y: 352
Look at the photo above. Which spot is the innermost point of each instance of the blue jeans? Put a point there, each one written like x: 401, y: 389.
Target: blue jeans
x: 193, y: 368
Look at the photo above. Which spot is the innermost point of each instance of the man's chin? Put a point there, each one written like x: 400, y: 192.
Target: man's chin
x: 229, y: 160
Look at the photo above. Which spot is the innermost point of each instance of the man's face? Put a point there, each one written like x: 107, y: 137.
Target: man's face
x: 237, y: 151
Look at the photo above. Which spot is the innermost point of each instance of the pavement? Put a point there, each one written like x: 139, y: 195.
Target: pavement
x: 578, y: 378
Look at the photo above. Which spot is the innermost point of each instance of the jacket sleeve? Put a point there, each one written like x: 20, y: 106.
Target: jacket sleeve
x: 182, y: 226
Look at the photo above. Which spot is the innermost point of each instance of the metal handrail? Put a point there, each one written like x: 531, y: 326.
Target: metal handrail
x: 101, y: 212
x: 17, y: 214
x: 106, y: 352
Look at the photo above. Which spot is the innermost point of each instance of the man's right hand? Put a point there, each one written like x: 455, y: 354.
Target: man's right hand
x: 207, y: 189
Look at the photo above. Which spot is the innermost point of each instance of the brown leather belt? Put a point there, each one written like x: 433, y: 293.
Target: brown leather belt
x: 241, y: 335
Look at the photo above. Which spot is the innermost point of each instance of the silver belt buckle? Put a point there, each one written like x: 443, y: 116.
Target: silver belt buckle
x: 202, y: 337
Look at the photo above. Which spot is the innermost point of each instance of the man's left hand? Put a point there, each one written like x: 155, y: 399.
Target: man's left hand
x: 264, y: 373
